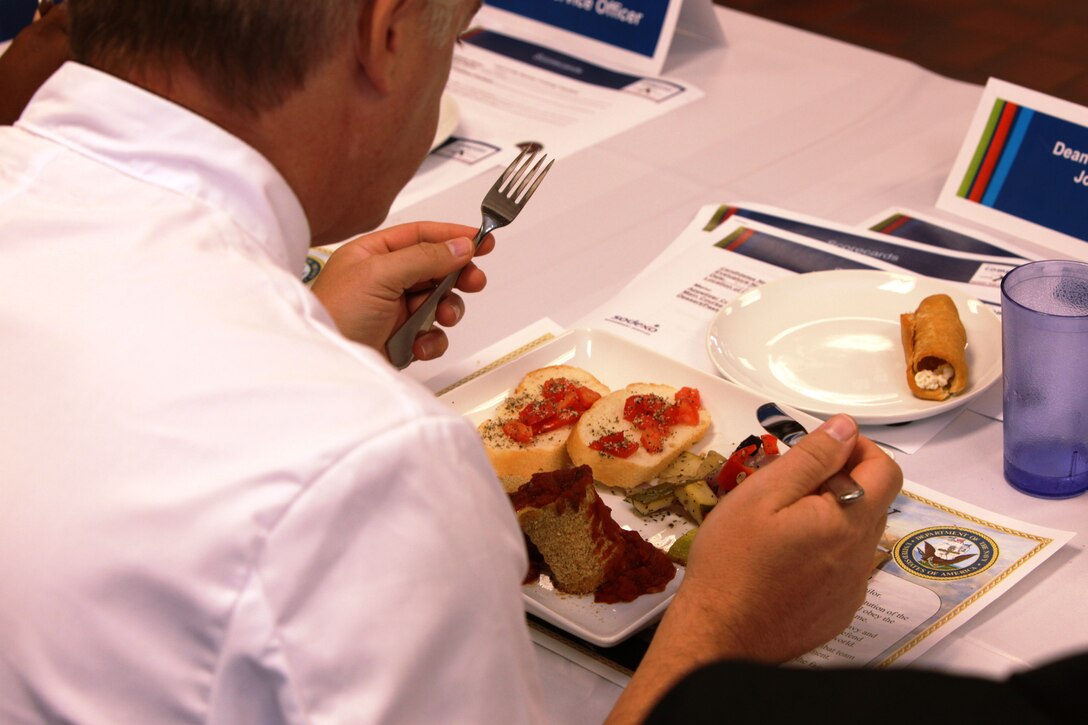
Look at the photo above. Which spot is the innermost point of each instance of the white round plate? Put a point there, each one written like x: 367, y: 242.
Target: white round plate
x: 448, y: 116
x: 829, y: 342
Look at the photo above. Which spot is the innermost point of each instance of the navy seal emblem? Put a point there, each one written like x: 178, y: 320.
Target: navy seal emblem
x: 945, y: 552
x: 313, y: 268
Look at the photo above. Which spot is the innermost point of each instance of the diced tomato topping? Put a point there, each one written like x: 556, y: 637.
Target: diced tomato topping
x: 560, y: 419
x: 517, y: 431
x: 682, y: 413
x: 654, y: 416
x: 645, y: 410
x: 555, y: 388
x: 653, y: 439
x: 615, y: 445
x: 770, y: 444
x: 562, y: 403
x: 690, y: 396
x: 537, y: 412
x: 587, y: 396
x: 569, y: 401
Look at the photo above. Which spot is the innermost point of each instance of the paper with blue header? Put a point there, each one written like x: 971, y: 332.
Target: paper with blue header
x: 631, y: 35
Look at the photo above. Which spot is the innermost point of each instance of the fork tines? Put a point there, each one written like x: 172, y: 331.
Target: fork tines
x: 517, y: 169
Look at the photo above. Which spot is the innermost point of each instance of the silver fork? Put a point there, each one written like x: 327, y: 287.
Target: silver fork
x: 500, y: 206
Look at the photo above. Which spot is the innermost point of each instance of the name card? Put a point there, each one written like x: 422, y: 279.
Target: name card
x: 633, y: 35
x: 1023, y: 169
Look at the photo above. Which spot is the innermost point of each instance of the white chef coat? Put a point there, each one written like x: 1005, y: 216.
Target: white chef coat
x: 213, y: 508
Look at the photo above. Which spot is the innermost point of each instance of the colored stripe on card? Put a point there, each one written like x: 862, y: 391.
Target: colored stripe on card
x: 735, y: 240
x: 722, y: 213
x: 980, y: 151
x: 993, y: 154
x: 1012, y: 148
x: 891, y: 224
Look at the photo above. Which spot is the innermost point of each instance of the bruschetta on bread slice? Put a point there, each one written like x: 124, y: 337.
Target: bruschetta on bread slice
x: 528, y: 433
x: 631, y: 435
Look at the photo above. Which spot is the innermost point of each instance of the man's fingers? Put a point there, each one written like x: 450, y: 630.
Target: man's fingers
x: 412, y: 266
x: 430, y: 344
x: 405, y: 236
x: 878, y: 474
x: 450, y: 310
x: 806, y: 466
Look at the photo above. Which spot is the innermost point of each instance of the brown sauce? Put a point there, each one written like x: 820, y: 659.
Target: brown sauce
x: 639, y: 568
x: 564, y: 487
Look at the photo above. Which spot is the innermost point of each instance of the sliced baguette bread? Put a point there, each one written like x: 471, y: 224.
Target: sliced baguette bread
x: 516, y: 461
x: 606, y: 417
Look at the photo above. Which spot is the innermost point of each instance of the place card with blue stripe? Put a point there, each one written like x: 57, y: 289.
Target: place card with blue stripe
x: 1023, y: 169
x: 632, y: 35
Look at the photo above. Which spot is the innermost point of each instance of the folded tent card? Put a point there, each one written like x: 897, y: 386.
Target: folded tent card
x: 1023, y: 169
x: 630, y: 35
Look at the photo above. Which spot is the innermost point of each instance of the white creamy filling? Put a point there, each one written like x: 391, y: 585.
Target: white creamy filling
x: 934, y: 379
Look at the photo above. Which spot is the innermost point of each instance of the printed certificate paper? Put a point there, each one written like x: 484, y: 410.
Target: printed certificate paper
x: 943, y: 561
x: 1024, y: 169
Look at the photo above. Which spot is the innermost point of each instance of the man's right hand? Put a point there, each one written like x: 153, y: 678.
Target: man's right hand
x: 779, y: 566
x: 789, y: 559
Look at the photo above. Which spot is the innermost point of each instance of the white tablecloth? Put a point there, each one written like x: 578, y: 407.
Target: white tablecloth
x: 805, y: 123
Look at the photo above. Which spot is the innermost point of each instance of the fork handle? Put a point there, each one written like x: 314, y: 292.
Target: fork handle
x: 399, y: 346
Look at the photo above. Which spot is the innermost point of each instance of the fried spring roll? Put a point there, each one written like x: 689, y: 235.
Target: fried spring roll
x: 935, y: 343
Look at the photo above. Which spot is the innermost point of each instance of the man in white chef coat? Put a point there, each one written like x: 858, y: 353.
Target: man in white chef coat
x: 220, y: 502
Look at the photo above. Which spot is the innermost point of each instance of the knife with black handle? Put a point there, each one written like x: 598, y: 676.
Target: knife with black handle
x: 786, y: 429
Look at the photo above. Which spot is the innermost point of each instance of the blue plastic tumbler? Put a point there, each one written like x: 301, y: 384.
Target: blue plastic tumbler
x: 1044, y: 326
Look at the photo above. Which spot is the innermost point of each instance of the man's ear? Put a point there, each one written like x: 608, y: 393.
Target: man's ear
x: 380, y: 27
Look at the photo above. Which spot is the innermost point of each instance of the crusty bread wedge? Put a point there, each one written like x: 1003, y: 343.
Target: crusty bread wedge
x: 606, y: 417
x: 515, y: 462
x: 582, y: 546
x: 561, y: 514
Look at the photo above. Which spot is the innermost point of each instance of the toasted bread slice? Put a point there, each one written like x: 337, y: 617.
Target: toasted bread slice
x: 515, y: 462
x: 606, y: 417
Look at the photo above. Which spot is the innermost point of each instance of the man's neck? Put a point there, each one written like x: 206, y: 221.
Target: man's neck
x: 303, y: 137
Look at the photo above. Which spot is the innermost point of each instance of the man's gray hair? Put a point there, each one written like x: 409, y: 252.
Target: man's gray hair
x: 251, y: 53
x: 443, y: 16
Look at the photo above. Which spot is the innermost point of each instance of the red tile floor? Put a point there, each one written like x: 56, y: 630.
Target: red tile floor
x: 1040, y: 44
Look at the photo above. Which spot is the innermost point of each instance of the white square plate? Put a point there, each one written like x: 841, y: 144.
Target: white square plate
x: 617, y: 363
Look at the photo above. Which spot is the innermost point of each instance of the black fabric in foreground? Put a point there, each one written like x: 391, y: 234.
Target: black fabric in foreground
x: 739, y: 692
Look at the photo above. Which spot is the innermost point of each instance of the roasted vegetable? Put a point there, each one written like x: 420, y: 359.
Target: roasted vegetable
x: 753, y: 453
x: 649, y: 500
x: 685, y: 468
x: 697, y: 499
x: 678, y: 552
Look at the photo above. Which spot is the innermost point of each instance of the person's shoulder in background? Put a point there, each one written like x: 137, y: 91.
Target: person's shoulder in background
x: 32, y: 57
